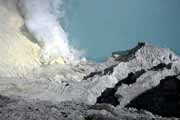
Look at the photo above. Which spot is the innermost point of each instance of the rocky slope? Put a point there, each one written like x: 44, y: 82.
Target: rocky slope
x: 18, y: 109
x: 126, y: 86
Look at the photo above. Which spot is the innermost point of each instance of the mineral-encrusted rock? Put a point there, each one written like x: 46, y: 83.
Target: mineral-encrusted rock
x: 149, y: 82
x: 18, y: 54
x: 145, y: 77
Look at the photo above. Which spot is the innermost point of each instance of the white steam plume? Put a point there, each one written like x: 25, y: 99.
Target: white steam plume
x: 41, y: 19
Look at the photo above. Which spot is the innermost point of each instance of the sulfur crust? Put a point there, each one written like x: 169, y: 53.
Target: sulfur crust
x: 18, y: 55
x: 59, y: 60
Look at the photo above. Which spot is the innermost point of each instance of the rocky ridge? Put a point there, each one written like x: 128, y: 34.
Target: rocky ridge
x: 126, y: 86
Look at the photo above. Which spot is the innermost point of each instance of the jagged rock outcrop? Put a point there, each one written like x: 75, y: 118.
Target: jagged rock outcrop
x: 145, y: 77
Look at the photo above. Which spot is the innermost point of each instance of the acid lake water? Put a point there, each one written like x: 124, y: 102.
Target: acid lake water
x: 100, y: 27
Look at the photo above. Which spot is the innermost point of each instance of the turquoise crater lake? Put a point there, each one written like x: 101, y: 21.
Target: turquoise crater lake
x: 102, y: 26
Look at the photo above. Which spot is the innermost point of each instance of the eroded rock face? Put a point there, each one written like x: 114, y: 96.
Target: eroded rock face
x: 148, y: 80
x: 162, y: 99
x: 152, y: 83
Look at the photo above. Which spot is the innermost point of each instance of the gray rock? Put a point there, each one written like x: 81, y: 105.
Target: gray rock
x: 19, y: 109
x: 150, y: 82
x: 121, y: 81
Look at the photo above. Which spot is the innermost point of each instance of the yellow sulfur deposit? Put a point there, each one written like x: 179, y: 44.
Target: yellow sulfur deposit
x: 18, y: 54
x: 59, y: 60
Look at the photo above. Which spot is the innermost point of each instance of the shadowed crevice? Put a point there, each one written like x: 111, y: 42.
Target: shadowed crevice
x: 109, y: 97
x: 106, y: 71
x: 162, y: 100
x: 161, y: 66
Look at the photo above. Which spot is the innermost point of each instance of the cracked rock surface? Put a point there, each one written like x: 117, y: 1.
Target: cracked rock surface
x: 140, y: 83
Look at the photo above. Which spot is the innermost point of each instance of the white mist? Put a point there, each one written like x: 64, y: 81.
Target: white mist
x: 42, y: 21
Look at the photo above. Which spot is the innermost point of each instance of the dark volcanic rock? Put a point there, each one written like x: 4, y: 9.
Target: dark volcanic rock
x: 163, y: 99
x: 128, y: 55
